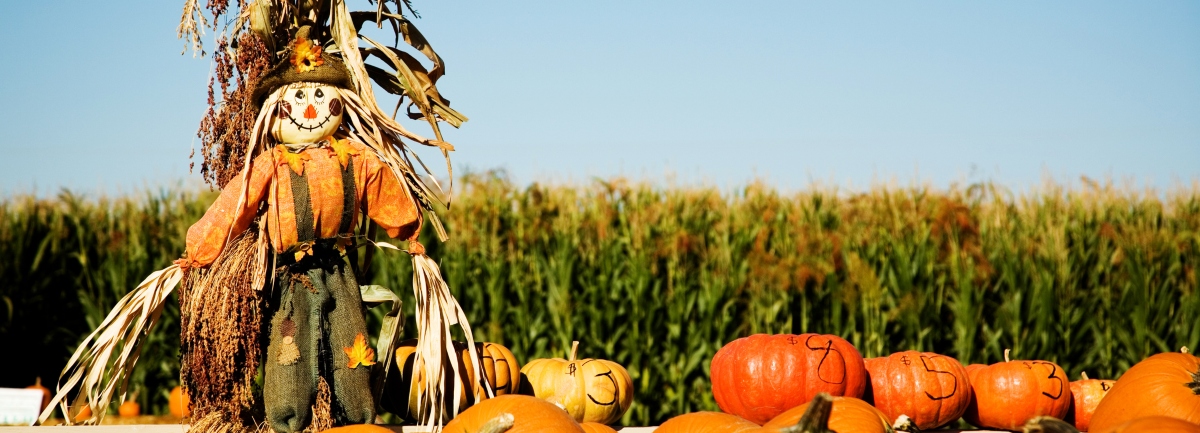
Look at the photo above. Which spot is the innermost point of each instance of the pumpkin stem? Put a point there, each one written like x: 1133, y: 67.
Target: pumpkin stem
x: 501, y: 423
x: 1006, y: 355
x: 905, y: 424
x: 816, y: 417
x: 1183, y: 349
x: 1048, y: 424
x: 574, y: 350
x: 1084, y: 375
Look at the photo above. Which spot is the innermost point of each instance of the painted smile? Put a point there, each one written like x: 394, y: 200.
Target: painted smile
x: 311, y: 128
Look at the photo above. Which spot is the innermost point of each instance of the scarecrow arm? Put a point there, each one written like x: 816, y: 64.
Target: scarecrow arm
x: 206, y: 238
x: 387, y: 202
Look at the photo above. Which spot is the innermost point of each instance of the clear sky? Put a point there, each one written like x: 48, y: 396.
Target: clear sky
x: 98, y: 98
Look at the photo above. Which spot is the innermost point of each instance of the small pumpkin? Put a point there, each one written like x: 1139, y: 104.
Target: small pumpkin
x: 761, y: 376
x: 1085, y: 395
x: 85, y: 412
x: 129, y: 409
x: 932, y: 389
x: 1166, y: 384
x: 595, y: 427
x: 1006, y: 394
x: 707, y: 422
x: 847, y: 415
x: 1152, y: 424
x: 591, y: 390
x: 499, y: 368
x: 527, y: 415
x: 178, y: 403
x: 37, y: 384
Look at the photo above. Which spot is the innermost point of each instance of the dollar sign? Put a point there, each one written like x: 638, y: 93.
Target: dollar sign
x: 572, y: 367
x: 792, y: 340
x: 904, y: 359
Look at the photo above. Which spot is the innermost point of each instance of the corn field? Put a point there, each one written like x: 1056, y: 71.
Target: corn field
x: 658, y: 279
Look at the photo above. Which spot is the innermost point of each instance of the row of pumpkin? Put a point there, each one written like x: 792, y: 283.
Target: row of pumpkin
x: 766, y: 382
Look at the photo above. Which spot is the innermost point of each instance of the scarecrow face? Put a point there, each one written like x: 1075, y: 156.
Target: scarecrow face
x: 307, y: 112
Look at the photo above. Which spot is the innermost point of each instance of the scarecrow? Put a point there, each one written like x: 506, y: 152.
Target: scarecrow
x: 273, y: 265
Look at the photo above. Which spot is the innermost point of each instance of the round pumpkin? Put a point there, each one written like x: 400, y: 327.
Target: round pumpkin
x: 178, y: 403
x: 37, y: 384
x: 595, y: 427
x: 499, y: 368
x: 1006, y: 394
x: 973, y: 367
x: 761, y: 376
x: 530, y: 415
x: 707, y: 422
x: 1152, y: 424
x: 933, y: 390
x: 591, y: 390
x: 849, y: 415
x: 129, y: 409
x: 83, y: 413
x: 1085, y: 395
x: 1166, y: 384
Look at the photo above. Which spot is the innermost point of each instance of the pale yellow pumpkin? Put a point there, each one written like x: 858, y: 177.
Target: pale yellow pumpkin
x: 591, y: 390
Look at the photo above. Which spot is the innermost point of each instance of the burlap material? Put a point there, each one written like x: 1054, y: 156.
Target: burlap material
x: 332, y: 71
x: 320, y: 298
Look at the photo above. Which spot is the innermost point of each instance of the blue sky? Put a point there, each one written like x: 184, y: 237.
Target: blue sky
x: 99, y: 98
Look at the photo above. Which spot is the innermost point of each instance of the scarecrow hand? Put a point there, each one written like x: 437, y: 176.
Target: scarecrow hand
x: 184, y: 263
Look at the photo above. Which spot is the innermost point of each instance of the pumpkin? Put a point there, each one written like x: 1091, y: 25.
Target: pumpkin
x: 84, y: 413
x: 129, y: 409
x: 847, y: 415
x: 761, y: 376
x: 1152, y: 424
x: 37, y: 384
x: 1166, y: 384
x: 528, y: 415
x: 973, y: 367
x: 1085, y: 395
x: 707, y: 422
x: 933, y: 390
x: 179, y: 403
x: 591, y: 390
x: 499, y: 368
x: 595, y: 427
x: 1006, y: 394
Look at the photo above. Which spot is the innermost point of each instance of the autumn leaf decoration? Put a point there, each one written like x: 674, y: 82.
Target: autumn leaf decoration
x: 360, y: 353
x: 305, y: 55
x: 342, y: 149
x: 294, y: 160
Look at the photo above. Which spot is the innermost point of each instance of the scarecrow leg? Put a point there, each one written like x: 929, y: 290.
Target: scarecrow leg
x: 353, y: 403
x: 289, y: 385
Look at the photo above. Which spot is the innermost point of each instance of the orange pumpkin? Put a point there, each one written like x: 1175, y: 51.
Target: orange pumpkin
x: 595, y: 427
x: 973, y: 367
x: 129, y: 409
x: 707, y: 422
x: 933, y: 390
x: 178, y: 403
x: 499, y: 368
x: 37, y: 384
x: 761, y: 376
x: 849, y: 415
x: 1166, y: 384
x: 1085, y: 395
x: 591, y: 390
x: 84, y: 413
x: 1152, y: 424
x: 1006, y: 394
x: 530, y: 415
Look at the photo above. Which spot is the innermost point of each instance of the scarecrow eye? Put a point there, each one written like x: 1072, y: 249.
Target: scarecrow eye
x: 300, y: 96
x: 319, y: 95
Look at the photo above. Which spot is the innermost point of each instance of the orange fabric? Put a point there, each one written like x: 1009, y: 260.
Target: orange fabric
x: 376, y: 188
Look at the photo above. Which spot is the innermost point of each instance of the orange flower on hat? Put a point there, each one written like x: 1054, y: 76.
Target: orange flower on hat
x: 306, y: 56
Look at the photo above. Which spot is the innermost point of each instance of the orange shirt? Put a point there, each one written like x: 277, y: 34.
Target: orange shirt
x: 376, y: 187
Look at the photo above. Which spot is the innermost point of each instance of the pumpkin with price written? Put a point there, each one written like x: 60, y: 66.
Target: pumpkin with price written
x: 591, y: 390
x: 1085, y: 395
x: 1006, y: 394
x: 761, y: 376
x: 933, y: 390
x: 526, y: 415
x: 499, y: 368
